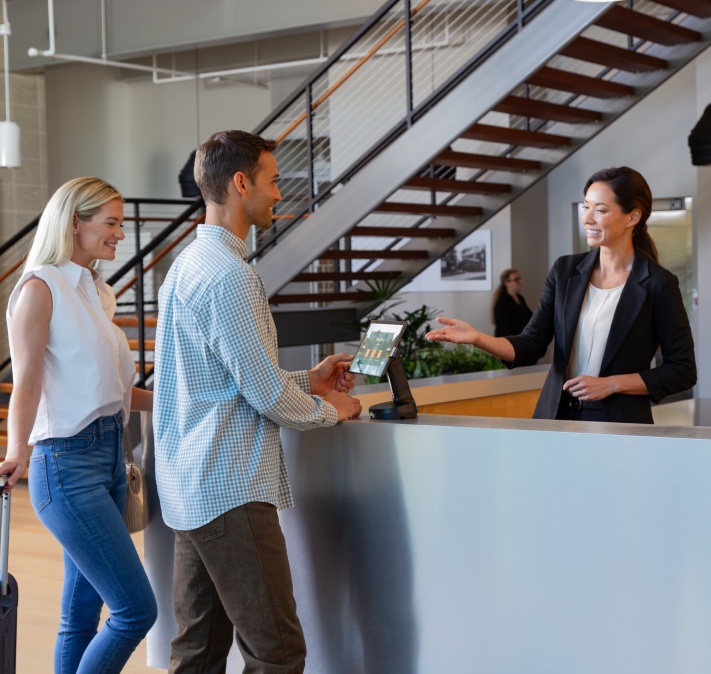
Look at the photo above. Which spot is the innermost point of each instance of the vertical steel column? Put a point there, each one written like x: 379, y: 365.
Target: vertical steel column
x: 140, y: 311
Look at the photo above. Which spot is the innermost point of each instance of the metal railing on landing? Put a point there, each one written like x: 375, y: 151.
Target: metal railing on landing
x: 374, y: 87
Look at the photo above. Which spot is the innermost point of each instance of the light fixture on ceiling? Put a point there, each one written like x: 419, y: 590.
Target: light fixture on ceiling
x: 607, y: 1
x: 9, y: 131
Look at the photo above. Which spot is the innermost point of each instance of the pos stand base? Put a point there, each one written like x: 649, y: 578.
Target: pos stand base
x: 403, y: 404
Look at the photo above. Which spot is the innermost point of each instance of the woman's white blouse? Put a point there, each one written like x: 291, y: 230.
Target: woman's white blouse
x: 88, y: 367
x: 593, y: 329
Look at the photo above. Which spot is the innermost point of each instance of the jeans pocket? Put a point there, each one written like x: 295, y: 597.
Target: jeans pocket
x: 81, y: 442
x: 39, y: 484
x: 211, y: 530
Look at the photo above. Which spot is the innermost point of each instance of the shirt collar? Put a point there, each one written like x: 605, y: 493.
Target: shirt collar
x: 233, y: 242
x: 74, y: 272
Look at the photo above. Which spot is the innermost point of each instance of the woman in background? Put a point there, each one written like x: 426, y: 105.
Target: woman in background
x: 608, y: 311
x: 73, y: 389
x: 509, y: 310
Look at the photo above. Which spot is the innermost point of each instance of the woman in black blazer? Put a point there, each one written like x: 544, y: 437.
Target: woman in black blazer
x: 608, y: 311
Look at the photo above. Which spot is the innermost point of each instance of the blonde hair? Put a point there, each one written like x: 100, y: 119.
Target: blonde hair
x: 53, y: 242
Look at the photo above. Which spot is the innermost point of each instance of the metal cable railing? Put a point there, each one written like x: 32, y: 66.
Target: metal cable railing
x: 375, y: 86
x: 533, y: 92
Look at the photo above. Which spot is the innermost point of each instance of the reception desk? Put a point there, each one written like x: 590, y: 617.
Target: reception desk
x: 462, y: 545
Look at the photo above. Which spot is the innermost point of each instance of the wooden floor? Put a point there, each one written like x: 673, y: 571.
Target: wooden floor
x: 36, y: 562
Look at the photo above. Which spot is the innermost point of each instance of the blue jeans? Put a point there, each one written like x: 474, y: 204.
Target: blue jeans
x: 78, y: 490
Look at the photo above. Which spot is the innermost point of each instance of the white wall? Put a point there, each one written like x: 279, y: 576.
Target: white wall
x: 137, y: 134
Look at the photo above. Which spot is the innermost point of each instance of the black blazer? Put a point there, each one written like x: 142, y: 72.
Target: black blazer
x: 650, y: 313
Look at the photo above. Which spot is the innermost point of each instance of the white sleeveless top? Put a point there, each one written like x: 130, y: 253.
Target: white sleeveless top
x: 88, y: 367
x: 593, y: 329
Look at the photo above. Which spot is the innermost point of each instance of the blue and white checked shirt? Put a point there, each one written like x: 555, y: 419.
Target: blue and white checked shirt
x: 220, y: 395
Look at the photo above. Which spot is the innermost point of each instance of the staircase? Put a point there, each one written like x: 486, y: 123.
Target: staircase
x: 529, y: 84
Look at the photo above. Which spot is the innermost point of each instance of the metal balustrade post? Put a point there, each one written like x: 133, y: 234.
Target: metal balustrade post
x: 310, y: 147
x: 409, y: 101
x: 139, y: 301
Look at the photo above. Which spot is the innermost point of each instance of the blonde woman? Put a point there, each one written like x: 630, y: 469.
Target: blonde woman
x: 73, y: 389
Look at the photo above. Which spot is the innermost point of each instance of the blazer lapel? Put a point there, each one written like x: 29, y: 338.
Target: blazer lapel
x: 574, y: 295
x: 628, y: 308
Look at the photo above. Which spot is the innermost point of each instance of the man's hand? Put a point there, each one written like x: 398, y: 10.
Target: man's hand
x: 347, y: 407
x: 331, y: 374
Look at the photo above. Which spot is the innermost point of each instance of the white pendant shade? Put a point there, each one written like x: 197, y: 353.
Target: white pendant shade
x: 10, y: 156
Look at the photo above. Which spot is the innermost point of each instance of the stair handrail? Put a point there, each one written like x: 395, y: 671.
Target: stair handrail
x: 18, y: 236
x: 195, y: 206
x: 157, y: 258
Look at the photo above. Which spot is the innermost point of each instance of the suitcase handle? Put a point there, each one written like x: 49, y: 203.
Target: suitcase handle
x: 4, y: 537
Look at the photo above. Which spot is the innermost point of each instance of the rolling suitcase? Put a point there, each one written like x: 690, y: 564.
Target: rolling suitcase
x: 8, y: 593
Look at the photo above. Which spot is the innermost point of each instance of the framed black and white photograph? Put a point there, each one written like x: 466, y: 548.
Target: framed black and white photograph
x: 467, y: 267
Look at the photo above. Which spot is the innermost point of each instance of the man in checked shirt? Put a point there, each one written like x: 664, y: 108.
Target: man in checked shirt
x: 220, y: 398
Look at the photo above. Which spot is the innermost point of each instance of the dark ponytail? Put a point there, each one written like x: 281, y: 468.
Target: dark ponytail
x: 631, y: 191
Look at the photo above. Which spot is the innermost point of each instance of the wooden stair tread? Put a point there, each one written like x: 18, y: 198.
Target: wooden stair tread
x: 575, y: 83
x: 6, y: 387
x: 428, y: 209
x: 592, y: 51
x: 404, y: 232
x: 698, y: 8
x: 482, y: 161
x: 528, y: 107
x: 458, y: 186
x: 502, y: 134
x: 149, y: 344
x: 374, y: 255
x: 302, y: 298
x: 646, y: 27
x: 317, y: 276
x: 131, y: 321
x: 3, y: 411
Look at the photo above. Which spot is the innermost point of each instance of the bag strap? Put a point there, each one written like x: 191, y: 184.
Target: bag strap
x: 127, y: 445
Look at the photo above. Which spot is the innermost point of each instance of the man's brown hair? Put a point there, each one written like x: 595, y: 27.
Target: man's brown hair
x: 224, y: 154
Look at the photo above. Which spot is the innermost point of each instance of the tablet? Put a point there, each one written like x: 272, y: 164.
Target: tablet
x: 378, y: 345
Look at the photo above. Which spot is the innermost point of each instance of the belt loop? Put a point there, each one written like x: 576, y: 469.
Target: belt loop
x: 101, y: 428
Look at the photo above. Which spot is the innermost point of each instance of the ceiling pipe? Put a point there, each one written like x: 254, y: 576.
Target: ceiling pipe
x: 173, y: 75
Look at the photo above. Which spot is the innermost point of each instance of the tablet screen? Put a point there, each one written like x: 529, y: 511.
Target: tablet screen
x: 378, y: 344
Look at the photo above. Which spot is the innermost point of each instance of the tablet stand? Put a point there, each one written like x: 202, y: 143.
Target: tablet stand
x: 403, y: 404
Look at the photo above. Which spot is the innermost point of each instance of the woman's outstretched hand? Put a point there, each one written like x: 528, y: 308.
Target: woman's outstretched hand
x: 455, y: 331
